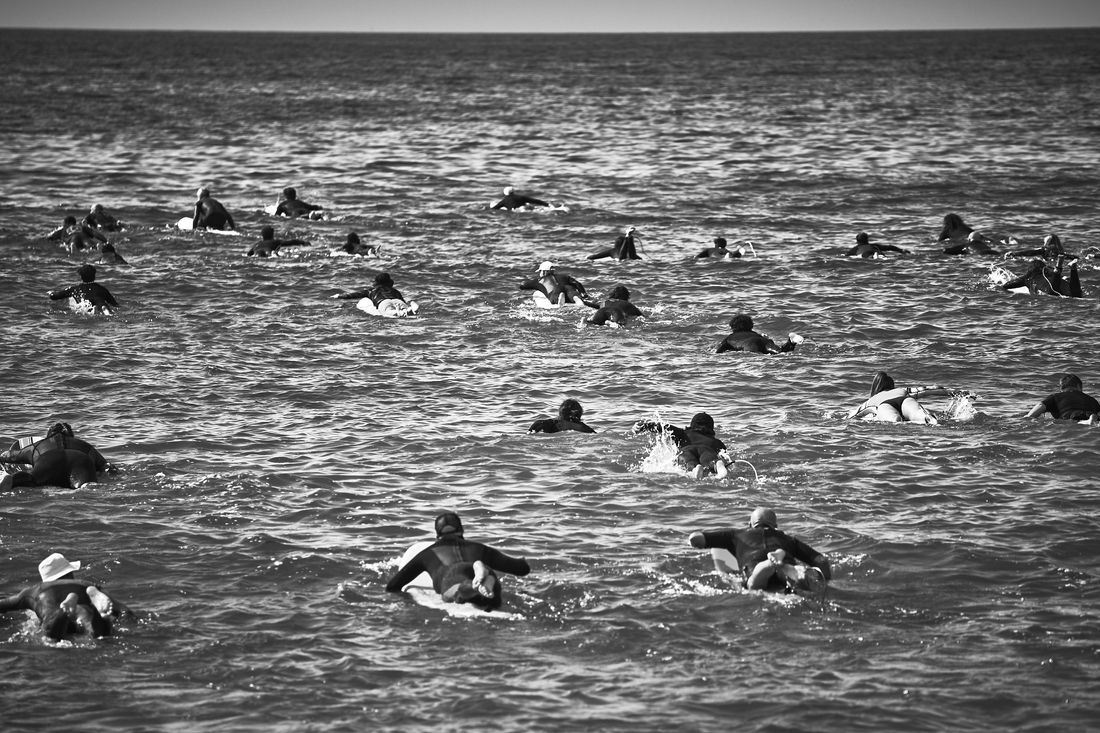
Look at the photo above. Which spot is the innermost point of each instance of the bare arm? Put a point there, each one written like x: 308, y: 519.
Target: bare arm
x: 1036, y: 411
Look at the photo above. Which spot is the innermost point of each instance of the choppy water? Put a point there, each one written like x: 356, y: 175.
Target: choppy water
x: 281, y: 449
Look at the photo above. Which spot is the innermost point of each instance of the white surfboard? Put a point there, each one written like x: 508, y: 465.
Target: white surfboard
x: 541, y: 301
x: 185, y: 225
x: 725, y: 563
x: 423, y: 592
x: 392, y: 308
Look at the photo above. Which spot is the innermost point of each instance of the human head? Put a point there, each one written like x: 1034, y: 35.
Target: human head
x: 267, y: 232
x: 202, y: 193
x: 741, y: 322
x: 383, y: 279
x: 56, y: 567
x: 975, y: 236
x: 629, y: 230
x: 353, y: 238
x: 1052, y: 245
x: 953, y: 220
x: 289, y: 193
x: 881, y: 383
x: 720, y: 242
x: 60, y: 428
x: 1070, y: 383
x: 619, y: 292
x: 570, y: 410
x: 448, y: 523
x: 546, y: 268
x: 701, y: 422
x: 762, y: 516
x: 862, y: 238
x: 97, y: 209
x: 69, y: 221
x: 106, y: 247
x: 86, y: 272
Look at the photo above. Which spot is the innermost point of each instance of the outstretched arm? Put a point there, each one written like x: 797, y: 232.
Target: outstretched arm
x: 1036, y: 411
x: 352, y: 295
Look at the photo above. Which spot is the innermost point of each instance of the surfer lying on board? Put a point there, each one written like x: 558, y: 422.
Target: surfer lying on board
x: 1051, y: 249
x: 87, y: 291
x: 65, y: 606
x: 77, y: 237
x: 462, y: 571
x: 269, y: 246
x: 889, y: 403
x: 744, y: 338
x: 59, y: 459
x: 98, y: 218
x: 866, y: 248
x: 623, y: 249
x: 290, y: 206
x: 767, y: 557
x: 513, y: 200
x: 383, y: 294
x: 720, y: 251
x: 209, y: 212
x: 558, y: 287
x: 1070, y: 403
x: 1041, y: 279
x: 569, y: 418
x: 700, y: 451
x: 353, y: 246
x: 616, y: 310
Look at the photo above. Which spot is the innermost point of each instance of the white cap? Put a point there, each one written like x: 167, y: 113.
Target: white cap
x: 548, y: 265
x: 56, y: 566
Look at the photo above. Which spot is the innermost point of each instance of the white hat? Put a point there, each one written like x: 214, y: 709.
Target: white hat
x: 55, y: 566
x: 548, y: 265
x: 628, y: 230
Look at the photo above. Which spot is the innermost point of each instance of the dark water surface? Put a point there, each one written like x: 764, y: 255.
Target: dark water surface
x: 280, y: 449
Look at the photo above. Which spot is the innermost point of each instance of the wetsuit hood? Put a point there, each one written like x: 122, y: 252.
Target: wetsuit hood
x: 570, y: 410
x: 86, y: 272
x: 383, y: 279
x: 702, y: 423
x: 619, y: 292
x: 741, y: 323
x: 448, y: 523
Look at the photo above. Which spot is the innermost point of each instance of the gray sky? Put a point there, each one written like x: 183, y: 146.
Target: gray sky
x: 613, y: 16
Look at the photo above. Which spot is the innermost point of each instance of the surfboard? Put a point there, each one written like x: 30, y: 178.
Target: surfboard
x: 541, y: 301
x: 184, y: 225
x: 392, y: 308
x: 815, y: 585
x: 999, y: 275
x: 423, y: 593
x: 87, y: 308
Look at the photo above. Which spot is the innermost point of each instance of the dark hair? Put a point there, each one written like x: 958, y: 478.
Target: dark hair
x: 1070, y: 383
x: 719, y: 241
x: 619, y: 292
x: 741, y: 323
x: 862, y: 238
x: 383, y: 278
x: 353, y: 238
x: 290, y: 193
x: 61, y: 428
x: 86, y: 272
x: 570, y: 410
x: 267, y: 232
x: 881, y: 383
x: 448, y: 523
x: 701, y: 422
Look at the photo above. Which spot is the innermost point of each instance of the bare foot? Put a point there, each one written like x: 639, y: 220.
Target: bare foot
x: 100, y: 600
x: 483, y: 581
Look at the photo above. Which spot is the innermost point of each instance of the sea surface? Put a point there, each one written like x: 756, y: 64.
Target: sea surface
x: 280, y: 449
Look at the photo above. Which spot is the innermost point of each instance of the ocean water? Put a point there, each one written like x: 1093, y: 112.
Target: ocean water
x: 280, y: 449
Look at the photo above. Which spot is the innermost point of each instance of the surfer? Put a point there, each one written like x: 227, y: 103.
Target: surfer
x: 98, y: 218
x: 386, y: 298
x: 77, y: 236
x: 209, y: 212
x: 290, y: 206
x: 569, y: 418
x: 1051, y: 249
x: 616, y: 310
x: 867, y: 249
x: 513, y: 200
x: 269, y: 246
x: 59, y: 459
x: 623, y: 249
x: 108, y: 255
x: 558, y: 287
x: 719, y: 251
x: 1040, y: 279
x: 767, y: 557
x: 1070, y: 403
x: 65, y: 606
x: 353, y: 246
x: 87, y: 291
x: 700, y: 451
x: 462, y: 571
x: 889, y: 403
x: 744, y: 338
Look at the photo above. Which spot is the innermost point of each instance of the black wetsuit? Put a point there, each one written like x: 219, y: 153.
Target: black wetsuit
x: 1049, y: 280
x: 751, y: 546
x: 93, y: 292
x: 622, y: 250
x: 614, y: 310
x: 867, y: 249
x: 574, y: 291
x: 1071, y: 405
x: 697, y: 447
x: 718, y: 252
x: 558, y: 425
x: 449, y: 561
x: 753, y: 342
x: 270, y: 247
x: 518, y: 201
x: 295, y: 208
x: 210, y: 214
